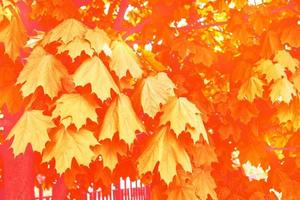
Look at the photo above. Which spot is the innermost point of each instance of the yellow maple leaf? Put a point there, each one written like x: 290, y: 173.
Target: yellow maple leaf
x: 270, y: 70
x: 93, y: 71
x: 42, y: 69
x: 31, y: 128
x: 282, y: 90
x: 164, y: 148
x: 65, y: 32
x: 124, y: 59
x: 13, y: 35
x: 69, y: 144
x: 75, y: 47
x: 204, y: 184
x: 109, y: 151
x: 183, y: 116
x: 154, y: 64
x: 251, y: 89
x: 6, y: 10
x: 156, y: 90
x: 98, y: 39
x: 76, y: 109
x: 285, y: 59
x: 120, y: 117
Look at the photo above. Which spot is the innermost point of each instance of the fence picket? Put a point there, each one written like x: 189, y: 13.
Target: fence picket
x: 130, y: 190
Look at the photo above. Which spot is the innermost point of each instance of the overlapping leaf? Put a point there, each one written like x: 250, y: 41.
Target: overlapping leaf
x: 42, y: 69
x: 270, y: 70
x: 75, y: 109
x: 69, y: 144
x: 163, y: 148
x: 182, y: 190
x: 290, y: 34
x: 296, y: 80
x: 290, y: 113
x: 282, y: 90
x: 270, y: 44
x: 109, y: 152
x: 120, y: 117
x: 156, y: 91
x: 202, y: 154
x: 183, y: 116
x: 251, y: 89
x: 99, y: 40
x: 31, y: 128
x: 285, y: 59
x: 124, y: 60
x: 204, y: 184
x: 94, y: 72
x: 13, y: 35
x: 65, y: 32
x: 76, y: 47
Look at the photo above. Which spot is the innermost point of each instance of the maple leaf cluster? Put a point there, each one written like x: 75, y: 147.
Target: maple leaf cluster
x: 162, y: 91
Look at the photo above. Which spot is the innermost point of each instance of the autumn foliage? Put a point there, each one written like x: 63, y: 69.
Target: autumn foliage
x: 197, y: 99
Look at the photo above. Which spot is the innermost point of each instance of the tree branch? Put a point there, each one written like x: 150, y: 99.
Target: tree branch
x: 120, y: 17
x: 200, y: 26
x: 136, y: 29
x: 196, y: 26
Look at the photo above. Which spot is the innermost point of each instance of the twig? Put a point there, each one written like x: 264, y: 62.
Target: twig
x: 120, y: 17
x: 136, y: 29
x: 197, y: 26
x: 200, y: 26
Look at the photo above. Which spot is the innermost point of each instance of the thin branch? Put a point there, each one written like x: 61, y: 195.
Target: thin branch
x: 200, y: 26
x: 136, y: 29
x: 290, y: 6
x: 111, y: 9
x: 120, y: 17
x: 196, y: 26
x: 288, y: 148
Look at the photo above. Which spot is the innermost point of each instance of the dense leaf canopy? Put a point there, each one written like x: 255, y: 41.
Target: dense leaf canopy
x: 198, y: 99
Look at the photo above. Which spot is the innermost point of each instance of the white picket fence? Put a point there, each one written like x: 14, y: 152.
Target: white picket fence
x: 126, y: 190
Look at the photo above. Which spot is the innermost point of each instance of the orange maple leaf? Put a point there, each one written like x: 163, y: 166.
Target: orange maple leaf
x: 204, y: 184
x: 109, y: 152
x: 13, y: 35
